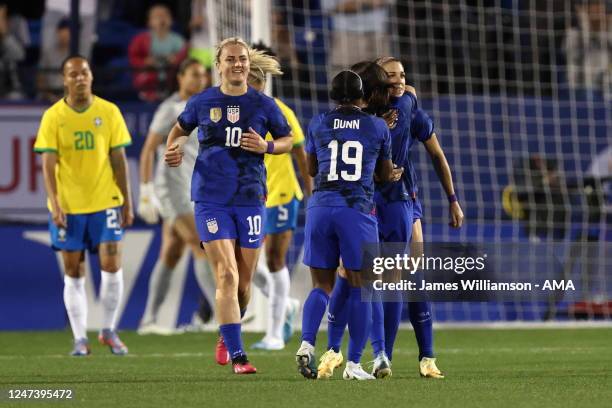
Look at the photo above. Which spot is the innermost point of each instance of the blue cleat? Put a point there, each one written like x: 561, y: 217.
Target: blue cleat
x: 110, y: 338
x: 81, y: 348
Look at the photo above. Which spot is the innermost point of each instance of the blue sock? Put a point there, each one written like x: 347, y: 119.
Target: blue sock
x: 377, y: 332
x: 232, y: 338
x: 393, y: 317
x: 359, y: 323
x: 420, y: 317
x: 242, y: 312
x: 338, y: 314
x: 314, y: 309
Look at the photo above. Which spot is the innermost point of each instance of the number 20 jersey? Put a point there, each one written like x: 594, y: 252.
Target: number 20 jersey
x: 347, y: 143
x: 224, y: 173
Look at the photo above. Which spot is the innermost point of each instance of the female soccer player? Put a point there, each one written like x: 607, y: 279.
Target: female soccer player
x: 168, y: 196
x: 284, y: 196
x: 229, y: 182
x: 421, y: 129
x: 345, y: 147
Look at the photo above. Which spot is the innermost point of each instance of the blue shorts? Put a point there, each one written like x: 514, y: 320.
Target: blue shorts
x: 332, y: 233
x: 282, y: 217
x: 395, y: 221
x: 417, y: 209
x: 244, y: 224
x: 86, y: 231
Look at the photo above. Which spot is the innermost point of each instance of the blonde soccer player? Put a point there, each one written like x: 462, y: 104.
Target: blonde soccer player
x: 82, y: 140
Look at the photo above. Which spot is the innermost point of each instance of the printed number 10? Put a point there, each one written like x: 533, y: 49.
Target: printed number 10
x: 232, y: 136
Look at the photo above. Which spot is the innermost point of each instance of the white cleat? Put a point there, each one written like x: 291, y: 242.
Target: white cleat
x: 428, y: 368
x: 382, y: 366
x: 269, y: 344
x: 354, y: 371
x: 154, y: 328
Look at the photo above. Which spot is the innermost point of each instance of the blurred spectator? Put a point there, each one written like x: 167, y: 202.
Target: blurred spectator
x: 601, y: 169
x: 56, y: 10
x: 11, y: 52
x: 360, y: 30
x: 49, y: 82
x: 154, y: 53
x: 589, y: 48
x: 202, y: 47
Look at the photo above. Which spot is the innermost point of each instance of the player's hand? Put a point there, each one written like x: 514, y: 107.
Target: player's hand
x: 127, y: 215
x: 174, y: 155
x: 148, y: 204
x: 390, y: 118
x: 456, y: 215
x: 396, y: 174
x: 58, y: 216
x: 253, y: 142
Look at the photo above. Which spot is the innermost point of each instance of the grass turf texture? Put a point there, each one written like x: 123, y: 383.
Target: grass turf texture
x: 488, y: 368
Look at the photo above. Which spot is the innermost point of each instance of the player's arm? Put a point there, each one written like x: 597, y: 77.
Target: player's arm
x: 49, y: 161
x: 313, y: 164
x: 147, y: 209
x: 174, y: 146
x: 253, y: 142
x: 299, y: 154
x: 120, y: 170
x: 443, y: 170
x: 385, y: 171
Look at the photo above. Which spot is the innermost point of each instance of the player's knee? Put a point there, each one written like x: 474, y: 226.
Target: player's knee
x: 227, y: 278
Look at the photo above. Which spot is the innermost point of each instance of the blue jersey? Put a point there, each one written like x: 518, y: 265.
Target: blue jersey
x: 224, y: 173
x: 347, y: 143
x: 421, y: 128
x: 403, y: 135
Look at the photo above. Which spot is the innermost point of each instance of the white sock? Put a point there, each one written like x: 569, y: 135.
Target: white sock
x: 111, y: 292
x: 75, y: 300
x: 159, y: 282
x: 279, y: 293
x: 206, y: 280
x: 261, y: 279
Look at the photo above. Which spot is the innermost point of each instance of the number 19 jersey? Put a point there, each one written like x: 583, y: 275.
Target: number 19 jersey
x: 224, y: 173
x: 347, y: 143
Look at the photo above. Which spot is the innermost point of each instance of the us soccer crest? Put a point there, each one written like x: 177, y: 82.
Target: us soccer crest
x: 98, y: 121
x: 212, y: 226
x: 233, y: 113
x: 215, y: 114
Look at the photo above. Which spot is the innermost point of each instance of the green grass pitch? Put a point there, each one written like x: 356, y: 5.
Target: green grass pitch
x: 484, y: 368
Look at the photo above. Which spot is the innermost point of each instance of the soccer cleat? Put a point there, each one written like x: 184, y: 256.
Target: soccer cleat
x: 428, y: 368
x: 81, y: 348
x: 382, y: 366
x: 293, y: 305
x: 110, y: 338
x: 268, y: 344
x: 221, y: 354
x: 354, y: 371
x: 305, y: 360
x: 241, y: 365
x: 328, y: 362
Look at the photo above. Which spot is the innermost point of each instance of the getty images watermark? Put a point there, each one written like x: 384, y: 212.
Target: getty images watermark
x: 488, y: 271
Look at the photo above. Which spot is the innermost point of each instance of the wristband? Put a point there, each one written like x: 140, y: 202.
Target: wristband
x: 270, y: 148
x: 452, y: 198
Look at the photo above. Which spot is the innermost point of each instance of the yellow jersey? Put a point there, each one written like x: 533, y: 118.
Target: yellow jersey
x: 83, y: 141
x: 282, y: 182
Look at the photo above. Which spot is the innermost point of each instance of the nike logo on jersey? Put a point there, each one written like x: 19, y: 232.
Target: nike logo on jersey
x: 251, y: 240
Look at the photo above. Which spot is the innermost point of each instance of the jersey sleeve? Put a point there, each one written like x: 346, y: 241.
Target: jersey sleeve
x: 120, y: 136
x: 46, y: 140
x: 294, y: 124
x: 188, y: 119
x: 421, y: 126
x: 407, y: 103
x: 163, y: 120
x: 277, y: 123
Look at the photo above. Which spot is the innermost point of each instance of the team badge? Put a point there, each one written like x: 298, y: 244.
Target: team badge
x: 61, y: 235
x: 233, y: 113
x: 212, y: 226
x: 215, y: 114
x: 98, y: 121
